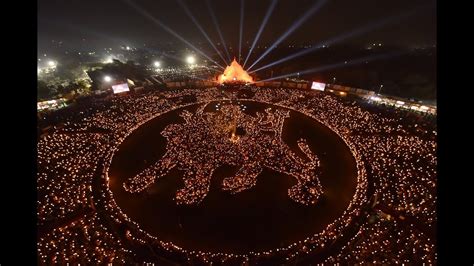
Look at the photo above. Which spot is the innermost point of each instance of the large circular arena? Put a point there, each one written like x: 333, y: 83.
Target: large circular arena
x: 260, y: 216
x: 235, y: 175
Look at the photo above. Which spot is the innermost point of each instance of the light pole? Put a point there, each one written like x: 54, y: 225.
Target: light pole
x: 381, y: 86
x: 334, y: 80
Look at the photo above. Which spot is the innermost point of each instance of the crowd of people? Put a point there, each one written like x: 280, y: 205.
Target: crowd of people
x: 386, y: 242
x: 85, y: 241
x: 192, y: 72
x: 66, y: 166
x: 396, y: 170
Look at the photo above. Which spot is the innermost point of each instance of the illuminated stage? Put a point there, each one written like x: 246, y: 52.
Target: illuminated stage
x: 234, y: 73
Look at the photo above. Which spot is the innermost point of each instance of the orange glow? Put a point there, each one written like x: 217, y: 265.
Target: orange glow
x: 233, y: 73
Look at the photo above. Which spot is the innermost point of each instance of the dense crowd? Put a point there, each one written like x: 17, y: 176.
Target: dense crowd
x: 190, y: 73
x: 387, y: 242
x: 85, y: 241
x: 395, y: 155
x: 65, y: 169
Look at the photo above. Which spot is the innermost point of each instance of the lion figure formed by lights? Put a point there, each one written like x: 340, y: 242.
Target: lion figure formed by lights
x: 207, y: 140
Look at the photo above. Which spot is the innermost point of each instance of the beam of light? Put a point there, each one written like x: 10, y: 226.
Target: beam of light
x: 168, y: 55
x: 112, y: 39
x: 338, y: 65
x: 262, y: 26
x: 163, y: 53
x: 241, y: 27
x: 73, y: 27
x: 315, y: 7
x: 155, y: 52
x: 216, y: 24
x: 169, y: 30
x: 190, y: 15
x: 344, y: 36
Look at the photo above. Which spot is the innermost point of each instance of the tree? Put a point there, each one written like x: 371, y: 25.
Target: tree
x: 68, y: 88
x: 44, y: 92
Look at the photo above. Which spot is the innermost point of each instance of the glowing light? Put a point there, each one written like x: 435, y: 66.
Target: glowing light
x: 108, y: 60
x: 375, y: 98
x: 318, y: 86
x: 400, y: 102
x: 128, y: 48
x: 190, y: 59
x: 157, y: 64
x: 342, y: 93
x: 51, y: 63
x: 107, y: 79
x: 234, y: 72
x: 423, y: 107
x: 120, y: 88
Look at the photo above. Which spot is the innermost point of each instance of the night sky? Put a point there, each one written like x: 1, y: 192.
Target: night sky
x: 107, y: 22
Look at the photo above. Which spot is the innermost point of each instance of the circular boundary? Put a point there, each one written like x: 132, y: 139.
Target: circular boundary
x: 334, y: 229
